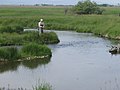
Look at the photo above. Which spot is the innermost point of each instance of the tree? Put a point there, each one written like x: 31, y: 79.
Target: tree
x: 87, y: 7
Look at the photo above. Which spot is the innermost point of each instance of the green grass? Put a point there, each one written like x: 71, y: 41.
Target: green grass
x: 34, y: 49
x: 28, y: 50
x: 49, y: 38
x: 9, y: 53
x: 111, y: 10
x: 54, y: 18
x: 7, y: 39
x: 11, y: 29
x: 44, y: 86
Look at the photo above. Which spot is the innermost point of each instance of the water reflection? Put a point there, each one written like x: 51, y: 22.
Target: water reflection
x: 35, y: 63
x: 12, y: 66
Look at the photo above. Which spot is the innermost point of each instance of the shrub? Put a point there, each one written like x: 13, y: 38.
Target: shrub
x: 87, y: 7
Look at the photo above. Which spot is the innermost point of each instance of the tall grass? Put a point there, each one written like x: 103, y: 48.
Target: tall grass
x: 11, y: 29
x: 34, y: 49
x: 54, y: 18
x: 49, y: 38
x: 10, y: 53
x: 27, y: 37
x: 28, y: 50
x: 44, y: 86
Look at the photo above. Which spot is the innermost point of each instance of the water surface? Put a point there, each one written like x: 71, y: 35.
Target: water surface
x: 79, y: 62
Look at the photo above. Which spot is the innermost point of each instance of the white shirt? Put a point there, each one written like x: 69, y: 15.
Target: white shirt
x: 41, y: 24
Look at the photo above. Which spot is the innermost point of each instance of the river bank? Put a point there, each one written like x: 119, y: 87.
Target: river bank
x: 16, y: 18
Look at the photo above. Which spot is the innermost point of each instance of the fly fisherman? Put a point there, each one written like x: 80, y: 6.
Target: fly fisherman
x: 41, y: 25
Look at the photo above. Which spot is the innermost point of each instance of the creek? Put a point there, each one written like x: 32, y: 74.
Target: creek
x: 81, y: 61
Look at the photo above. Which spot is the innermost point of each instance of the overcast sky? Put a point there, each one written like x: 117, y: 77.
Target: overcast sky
x: 55, y: 2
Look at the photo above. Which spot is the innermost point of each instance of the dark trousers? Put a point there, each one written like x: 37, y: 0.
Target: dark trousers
x: 40, y: 29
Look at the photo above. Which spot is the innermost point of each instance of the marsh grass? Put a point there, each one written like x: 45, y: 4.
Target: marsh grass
x: 7, y: 39
x: 11, y: 29
x: 28, y: 50
x: 44, y: 86
x: 9, y: 53
x: 54, y: 18
x: 49, y: 38
x: 34, y: 49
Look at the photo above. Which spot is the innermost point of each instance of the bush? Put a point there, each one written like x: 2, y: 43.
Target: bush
x: 34, y: 49
x: 87, y: 7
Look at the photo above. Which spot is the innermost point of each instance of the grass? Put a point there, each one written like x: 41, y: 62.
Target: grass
x: 34, y: 49
x: 44, y: 86
x: 27, y: 37
x: 49, y: 38
x: 29, y: 50
x: 10, y: 53
x: 11, y: 29
x: 54, y: 18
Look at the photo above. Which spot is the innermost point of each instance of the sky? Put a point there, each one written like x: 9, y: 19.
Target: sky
x: 54, y: 2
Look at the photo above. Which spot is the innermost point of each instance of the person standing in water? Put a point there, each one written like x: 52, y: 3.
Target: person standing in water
x: 41, y: 25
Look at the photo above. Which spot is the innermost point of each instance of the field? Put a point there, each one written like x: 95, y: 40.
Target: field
x: 106, y: 25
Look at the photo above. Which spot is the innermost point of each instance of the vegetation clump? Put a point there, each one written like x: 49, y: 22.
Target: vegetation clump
x: 44, y: 86
x: 9, y: 54
x: 49, y: 38
x: 31, y: 50
x: 87, y: 7
x: 7, y: 39
x: 34, y: 49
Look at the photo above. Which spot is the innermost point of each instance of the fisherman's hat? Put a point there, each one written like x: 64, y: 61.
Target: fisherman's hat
x: 41, y: 20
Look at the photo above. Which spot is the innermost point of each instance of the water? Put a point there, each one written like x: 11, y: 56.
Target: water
x: 79, y: 62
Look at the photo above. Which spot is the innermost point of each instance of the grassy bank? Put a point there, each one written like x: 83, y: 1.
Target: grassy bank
x: 28, y: 16
x: 34, y: 49
x: 7, y: 39
x: 9, y: 54
x: 28, y: 52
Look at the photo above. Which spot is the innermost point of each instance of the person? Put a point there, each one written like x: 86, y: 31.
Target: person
x: 41, y: 25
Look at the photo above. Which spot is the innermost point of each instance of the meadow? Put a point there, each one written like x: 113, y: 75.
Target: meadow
x: 106, y: 25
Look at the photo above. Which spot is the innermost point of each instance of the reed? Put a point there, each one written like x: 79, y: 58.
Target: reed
x: 45, y: 86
